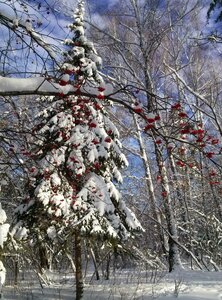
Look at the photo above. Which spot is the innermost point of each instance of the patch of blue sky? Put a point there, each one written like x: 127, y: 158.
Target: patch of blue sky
x: 136, y: 163
x: 67, y: 6
x: 99, y: 6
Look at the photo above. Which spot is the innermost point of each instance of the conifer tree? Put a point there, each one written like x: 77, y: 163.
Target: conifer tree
x: 75, y: 158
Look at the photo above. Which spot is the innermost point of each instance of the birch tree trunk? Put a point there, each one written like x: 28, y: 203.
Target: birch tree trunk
x: 174, y: 254
x: 149, y: 184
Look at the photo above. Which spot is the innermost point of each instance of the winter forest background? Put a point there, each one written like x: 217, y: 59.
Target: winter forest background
x: 110, y: 140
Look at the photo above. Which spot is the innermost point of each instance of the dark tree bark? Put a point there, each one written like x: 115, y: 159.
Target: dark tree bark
x: 78, y: 263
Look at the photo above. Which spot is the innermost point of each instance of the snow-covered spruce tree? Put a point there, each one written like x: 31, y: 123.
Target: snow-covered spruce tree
x: 76, y: 157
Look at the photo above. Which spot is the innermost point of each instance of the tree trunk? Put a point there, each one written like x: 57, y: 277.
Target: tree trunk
x: 95, y: 263
x: 43, y: 258
x: 108, y: 267
x: 149, y: 183
x: 174, y: 254
x: 78, y: 264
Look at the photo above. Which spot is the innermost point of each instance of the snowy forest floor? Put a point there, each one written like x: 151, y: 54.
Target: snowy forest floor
x: 124, y: 284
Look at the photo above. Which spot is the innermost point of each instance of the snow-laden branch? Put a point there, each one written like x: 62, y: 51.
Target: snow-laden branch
x: 31, y: 86
x: 45, y: 87
x: 15, y: 23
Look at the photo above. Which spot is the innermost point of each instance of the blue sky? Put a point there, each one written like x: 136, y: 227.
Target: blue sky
x: 102, y: 5
x: 95, y: 5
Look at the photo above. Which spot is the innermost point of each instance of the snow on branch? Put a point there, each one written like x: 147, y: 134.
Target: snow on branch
x: 29, y: 86
x: 45, y: 86
x: 13, y: 24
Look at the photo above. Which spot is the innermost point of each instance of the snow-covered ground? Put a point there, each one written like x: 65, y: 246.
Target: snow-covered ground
x: 125, y: 284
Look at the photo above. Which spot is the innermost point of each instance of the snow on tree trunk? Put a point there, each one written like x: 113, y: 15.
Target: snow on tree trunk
x: 4, y: 229
x: 2, y: 276
x: 174, y: 254
x: 149, y: 183
x: 173, y: 248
